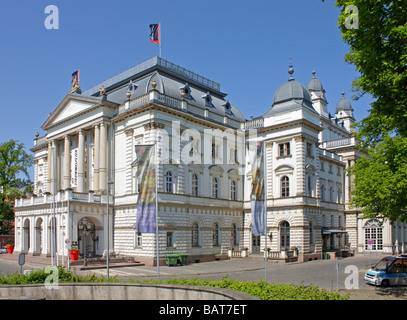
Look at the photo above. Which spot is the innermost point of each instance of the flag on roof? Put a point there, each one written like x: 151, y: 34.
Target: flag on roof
x: 155, y: 33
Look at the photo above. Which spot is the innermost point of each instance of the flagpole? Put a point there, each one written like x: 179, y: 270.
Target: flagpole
x: 159, y: 36
x: 265, y: 210
x: 156, y: 210
x: 54, y: 223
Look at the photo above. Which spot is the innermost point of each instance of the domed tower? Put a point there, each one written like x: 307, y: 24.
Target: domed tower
x: 344, y: 112
x: 318, y: 98
x: 291, y: 101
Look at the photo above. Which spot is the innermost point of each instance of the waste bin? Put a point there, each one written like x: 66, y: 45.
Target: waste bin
x: 183, y: 257
x: 171, y: 259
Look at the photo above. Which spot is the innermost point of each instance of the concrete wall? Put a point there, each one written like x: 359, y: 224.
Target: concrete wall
x: 119, y: 291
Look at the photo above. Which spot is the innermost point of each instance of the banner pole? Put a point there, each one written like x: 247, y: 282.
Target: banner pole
x: 265, y: 210
x: 156, y: 210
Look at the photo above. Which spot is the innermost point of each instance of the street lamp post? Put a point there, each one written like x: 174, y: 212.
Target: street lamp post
x: 108, y: 229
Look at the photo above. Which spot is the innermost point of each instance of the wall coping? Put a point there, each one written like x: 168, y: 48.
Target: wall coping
x: 119, y: 291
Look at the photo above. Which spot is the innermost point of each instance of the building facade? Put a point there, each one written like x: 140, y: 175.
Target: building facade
x: 85, y: 164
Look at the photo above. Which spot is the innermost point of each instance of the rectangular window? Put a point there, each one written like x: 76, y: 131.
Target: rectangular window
x: 170, y: 239
x: 284, y: 149
x: 195, y: 184
x: 138, y: 243
x: 233, y: 195
x: 309, y: 149
x: 195, y: 235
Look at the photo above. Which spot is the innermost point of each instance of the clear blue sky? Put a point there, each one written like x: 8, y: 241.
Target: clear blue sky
x: 243, y: 45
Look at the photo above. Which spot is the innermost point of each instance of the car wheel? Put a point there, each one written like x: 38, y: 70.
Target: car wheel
x: 385, y: 283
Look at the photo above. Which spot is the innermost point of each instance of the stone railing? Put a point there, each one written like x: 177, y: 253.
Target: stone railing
x: 253, y: 124
x: 339, y: 143
x: 67, y: 195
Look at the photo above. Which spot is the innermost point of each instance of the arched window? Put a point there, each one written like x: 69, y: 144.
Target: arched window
x: 233, y: 193
x: 168, y: 182
x: 285, y: 187
x: 285, y: 235
x: 322, y: 192
x: 215, y: 187
x: 216, y: 233
x: 195, y: 234
x: 195, y: 184
x: 374, y: 232
x: 331, y: 194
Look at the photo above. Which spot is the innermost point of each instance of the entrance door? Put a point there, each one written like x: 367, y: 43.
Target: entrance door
x: 255, y: 244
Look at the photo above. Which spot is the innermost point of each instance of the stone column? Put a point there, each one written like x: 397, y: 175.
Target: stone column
x: 81, y: 162
x: 96, y: 159
x: 67, y: 163
x: 103, y: 157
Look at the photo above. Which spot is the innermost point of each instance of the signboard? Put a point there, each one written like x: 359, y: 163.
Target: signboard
x: 21, y: 259
x: 369, y: 244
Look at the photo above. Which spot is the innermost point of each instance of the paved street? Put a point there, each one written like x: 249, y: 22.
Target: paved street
x: 321, y: 273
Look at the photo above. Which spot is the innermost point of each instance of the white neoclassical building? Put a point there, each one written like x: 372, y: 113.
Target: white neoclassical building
x: 85, y: 162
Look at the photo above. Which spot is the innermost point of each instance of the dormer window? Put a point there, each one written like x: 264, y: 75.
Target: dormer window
x: 187, y: 90
x: 208, y: 100
x: 132, y: 86
x: 228, y: 108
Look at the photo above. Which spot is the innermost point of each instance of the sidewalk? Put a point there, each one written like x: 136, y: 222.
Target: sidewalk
x: 78, y: 264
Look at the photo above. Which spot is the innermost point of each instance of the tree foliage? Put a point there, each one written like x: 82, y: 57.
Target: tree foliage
x: 381, y: 180
x: 378, y: 49
x: 377, y: 42
x: 14, y: 177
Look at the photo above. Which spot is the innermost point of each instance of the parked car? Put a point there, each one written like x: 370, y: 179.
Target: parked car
x: 389, y: 271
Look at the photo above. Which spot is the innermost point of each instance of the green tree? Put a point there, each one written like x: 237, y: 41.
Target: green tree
x: 376, y: 32
x: 14, y: 178
x: 381, y: 180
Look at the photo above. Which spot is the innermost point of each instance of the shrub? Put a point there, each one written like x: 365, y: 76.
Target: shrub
x: 262, y: 289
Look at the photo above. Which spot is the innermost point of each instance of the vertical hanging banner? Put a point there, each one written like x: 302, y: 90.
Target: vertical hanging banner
x: 74, y: 168
x: 257, y: 197
x: 146, y: 179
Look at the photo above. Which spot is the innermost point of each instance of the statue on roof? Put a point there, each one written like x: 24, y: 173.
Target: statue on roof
x: 75, y: 83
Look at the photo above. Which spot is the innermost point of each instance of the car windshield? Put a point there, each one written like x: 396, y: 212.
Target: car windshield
x: 383, y: 264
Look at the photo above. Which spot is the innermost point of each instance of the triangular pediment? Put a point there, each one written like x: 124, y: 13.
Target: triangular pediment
x: 72, y: 106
